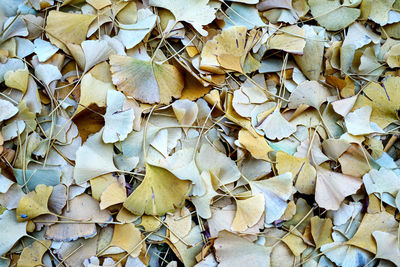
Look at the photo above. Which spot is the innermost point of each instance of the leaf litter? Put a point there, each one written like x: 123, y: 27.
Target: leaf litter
x: 199, y: 133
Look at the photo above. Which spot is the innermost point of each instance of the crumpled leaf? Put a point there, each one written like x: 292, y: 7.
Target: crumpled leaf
x: 34, y: 203
x: 195, y: 12
x: 159, y: 193
x: 146, y: 81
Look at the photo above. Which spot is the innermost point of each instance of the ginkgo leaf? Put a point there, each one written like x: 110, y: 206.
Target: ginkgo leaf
x: 127, y: 237
x: 332, y: 188
x: 276, y: 191
x: 384, y: 100
x: 382, y: 181
x: 93, y: 91
x: 32, y: 255
x: 114, y: 194
x: 81, y: 208
x: 132, y: 34
x: 118, y: 122
x: 202, y: 203
x: 223, y: 168
x: 310, y: 93
x: 44, y: 50
x: 63, y: 28
x: 275, y: 126
x: 300, y: 168
x: 7, y: 110
x: 225, y: 51
x: 311, y: 61
x: 327, y: 12
x: 248, y: 212
x: 34, y: 203
x: 233, y: 250
x: 186, y: 111
x: 182, y: 164
x: 370, y: 223
x: 17, y: 79
x: 95, y: 51
x: 377, y: 11
x: 146, y: 81
x: 12, y: 230
x: 321, y: 231
x: 243, y: 14
x: 195, y: 12
x: 159, y: 193
x: 357, y: 122
x: 388, y: 246
x: 256, y: 145
x: 179, y: 224
x: 93, y: 158
x: 290, y: 39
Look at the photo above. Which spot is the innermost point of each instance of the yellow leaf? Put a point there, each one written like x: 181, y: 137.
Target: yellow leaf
x: 290, y: 39
x: 255, y: 144
x: 248, y: 212
x: 384, y: 100
x: 159, y: 193
x: 32, y: 255
x: 370, y: 223
x: 114, y: 194
x: 34, y: 203
x: 300, y: 167
x: 321, y: 231
x: 150, y: 223
x: 127, y: 237
x: 146, y: 81
x: 99, y: 184
x: 179, y: 224
x: 225, y: 51
x: 17, y: 79
x: 63, y: 28
x: 93, y: 91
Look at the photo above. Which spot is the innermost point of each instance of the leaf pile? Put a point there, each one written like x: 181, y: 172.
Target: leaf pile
x: 199, y: 133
